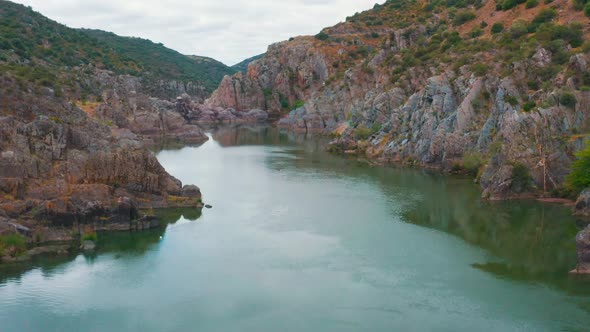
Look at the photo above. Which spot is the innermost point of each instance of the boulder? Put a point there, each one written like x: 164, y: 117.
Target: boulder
x: 88, y: 245
x: 191, y: 191
x: 126, y: 209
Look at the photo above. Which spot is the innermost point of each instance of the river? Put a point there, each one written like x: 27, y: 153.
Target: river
x: 301, y: 240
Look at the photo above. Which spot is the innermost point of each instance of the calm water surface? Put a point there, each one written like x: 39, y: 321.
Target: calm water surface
x: 299, y: 240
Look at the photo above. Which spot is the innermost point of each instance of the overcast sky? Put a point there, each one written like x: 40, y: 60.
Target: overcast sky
x: 229, y: 30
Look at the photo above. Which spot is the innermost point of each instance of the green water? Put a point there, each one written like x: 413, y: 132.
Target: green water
x: 300, y: 240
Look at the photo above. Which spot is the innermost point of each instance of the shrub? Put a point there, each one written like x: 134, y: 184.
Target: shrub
x: 322, y: 36
x: 463, y: 17
x: 476, y: 32
x: 533, y: 85
x: 528, y: 106
x: 571, y: 34
x: 509, y: 4
x: 587, y: 9
x: 298, y: 104
x: 518, y: 29
x: 89, y: 236
x: 531, y: 4
x: 568, y: 100
x: 546, y: 15
x: 284, y: 101
x: 511, y: 100
x: 521, y: 178
x: 497, y: 28
x: 361, y: 133
x: 472, y: 162
x: 479, y: 69
x: 579, y: 177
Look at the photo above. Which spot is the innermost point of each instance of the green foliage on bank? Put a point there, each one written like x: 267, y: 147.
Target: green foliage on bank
x: 579, y: 177
x: 12, y: 244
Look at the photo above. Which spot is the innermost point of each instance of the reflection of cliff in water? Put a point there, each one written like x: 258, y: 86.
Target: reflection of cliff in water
x: 122, y: 244
x: 242, y: 135
x: 531, y: 240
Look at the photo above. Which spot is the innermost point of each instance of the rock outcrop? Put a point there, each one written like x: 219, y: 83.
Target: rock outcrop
x: 388, y: 92
x: 582, y: 207
x: 66, y: 165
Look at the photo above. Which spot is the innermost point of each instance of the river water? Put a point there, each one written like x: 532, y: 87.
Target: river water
x: 300, y: 240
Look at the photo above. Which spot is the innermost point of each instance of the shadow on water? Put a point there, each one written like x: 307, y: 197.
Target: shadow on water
x: 122, y: 244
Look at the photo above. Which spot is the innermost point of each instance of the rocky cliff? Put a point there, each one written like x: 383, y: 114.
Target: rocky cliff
x: 499, y: 93
x: 74, y: 123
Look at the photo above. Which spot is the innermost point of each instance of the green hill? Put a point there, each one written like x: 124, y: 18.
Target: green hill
x: 164, y: 62
x: 36, y: 49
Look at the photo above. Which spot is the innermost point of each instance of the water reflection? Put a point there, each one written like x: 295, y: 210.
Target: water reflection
x: 526, y: 240
x: 122, y: 244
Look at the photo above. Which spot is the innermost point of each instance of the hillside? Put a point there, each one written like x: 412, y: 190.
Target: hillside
x: 499, y: 90
x: 164, y: 62
x: 243, y: 66
x: 35, y: 48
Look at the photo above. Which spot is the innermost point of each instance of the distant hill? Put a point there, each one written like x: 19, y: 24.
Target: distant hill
x: 163, y: 61
x: 243, y: 66
x: 37, y: 49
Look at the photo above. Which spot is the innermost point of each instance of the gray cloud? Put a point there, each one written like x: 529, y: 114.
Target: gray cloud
x: 229, y: 31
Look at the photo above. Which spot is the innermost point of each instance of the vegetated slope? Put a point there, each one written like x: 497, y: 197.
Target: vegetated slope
x: 164, y: 62
x: 243, y: 66
x: 35, y: 48
x: 497, y: 89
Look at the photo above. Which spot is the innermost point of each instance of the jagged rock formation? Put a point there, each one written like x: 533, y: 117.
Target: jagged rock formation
x: 73, y: 128
x: 437, y: 87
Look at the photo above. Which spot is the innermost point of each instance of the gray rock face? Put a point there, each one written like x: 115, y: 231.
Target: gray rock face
x: 583, y: 248
x: 582, y: 207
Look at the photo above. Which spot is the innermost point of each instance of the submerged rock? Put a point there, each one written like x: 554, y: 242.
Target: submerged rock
x: 583, y: 248
x: 88, y: 245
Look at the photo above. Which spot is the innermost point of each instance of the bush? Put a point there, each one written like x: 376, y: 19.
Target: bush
x: 568, y: 100
x: 509, y: 4
x: 89, y: 236
x: 531, y: 4
x: 518, y: 29
x: 579, y: 177
x: 463, y: 17
x: 298, y: 104
x: 361, y: 133
x: 571, y: 34
x: 322, y: 36
x: 546, y: 15
x: 476, y: 32
x: 521, y: 178
x: 497, y: 28
x: 472, y: 163
x: 511, y: 100
x: 479, y: 69
x: 528, y: 106
x: 587, y: 9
